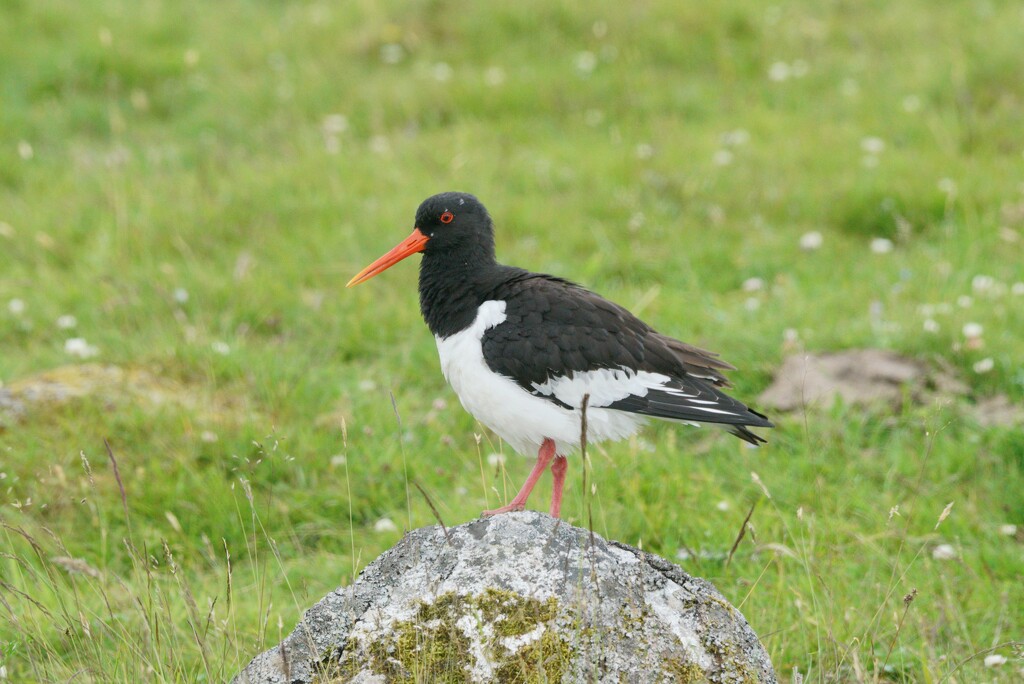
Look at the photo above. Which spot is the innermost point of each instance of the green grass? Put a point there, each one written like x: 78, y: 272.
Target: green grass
x: 152, y: 149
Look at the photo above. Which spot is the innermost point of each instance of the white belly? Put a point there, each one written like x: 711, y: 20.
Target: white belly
x: 517, y: 416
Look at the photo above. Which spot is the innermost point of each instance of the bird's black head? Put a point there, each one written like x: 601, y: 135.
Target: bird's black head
x: 452, y: 230
x: 455, y: 220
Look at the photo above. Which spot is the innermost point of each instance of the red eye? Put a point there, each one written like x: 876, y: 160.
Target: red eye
x: 447, y: 217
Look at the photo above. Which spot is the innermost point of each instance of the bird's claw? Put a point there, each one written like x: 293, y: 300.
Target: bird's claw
x: 504, y: 509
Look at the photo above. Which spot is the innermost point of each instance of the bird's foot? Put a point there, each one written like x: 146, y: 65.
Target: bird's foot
x: 514, y: 506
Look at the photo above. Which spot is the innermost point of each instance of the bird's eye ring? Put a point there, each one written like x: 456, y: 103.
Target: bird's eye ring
x: 447, y: 217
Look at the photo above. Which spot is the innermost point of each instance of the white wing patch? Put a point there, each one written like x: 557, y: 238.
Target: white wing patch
x: 606, y: 386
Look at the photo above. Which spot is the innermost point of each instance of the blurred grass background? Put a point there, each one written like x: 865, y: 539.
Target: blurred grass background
x: 186, y: 187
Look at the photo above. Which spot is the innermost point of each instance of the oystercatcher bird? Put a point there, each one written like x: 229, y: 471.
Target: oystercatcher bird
x: 522, y: 349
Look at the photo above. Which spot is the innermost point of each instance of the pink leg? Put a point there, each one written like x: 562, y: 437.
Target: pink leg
x: 544, y: 456
x: 558, y: 468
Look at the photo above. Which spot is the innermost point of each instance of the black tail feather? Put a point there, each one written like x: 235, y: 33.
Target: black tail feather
x: 746, y: 435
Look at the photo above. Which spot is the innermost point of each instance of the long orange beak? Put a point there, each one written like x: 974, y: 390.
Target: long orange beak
x: 410, y: 245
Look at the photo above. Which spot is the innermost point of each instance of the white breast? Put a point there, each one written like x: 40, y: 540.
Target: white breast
x: 517, y: 416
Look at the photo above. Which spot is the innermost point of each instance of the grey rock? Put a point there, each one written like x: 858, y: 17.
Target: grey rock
x: 517, y: 597
x: 861, y: 377
x: 115, y: 387
x: 998, y: 411
x: 11, y: 408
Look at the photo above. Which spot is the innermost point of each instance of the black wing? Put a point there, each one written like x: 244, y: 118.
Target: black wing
x: 555, y: 329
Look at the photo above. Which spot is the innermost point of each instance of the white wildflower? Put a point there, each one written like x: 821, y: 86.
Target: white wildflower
x: 994, y: 660
x: 753, y: 284
x: 872, y: 145
x: 779, y: 71
x: 973, y: 330
x: 811, y: 241
x: 985, y: 365
x: 77, y: 346
x: 722, y: 158
x: 982, y: 283
x: 739, y: 136
x: 881, y: 245
x: 585, y: 61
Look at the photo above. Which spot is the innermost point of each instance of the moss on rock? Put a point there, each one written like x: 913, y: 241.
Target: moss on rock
x: 440, y: 645
x: 684, y: 672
